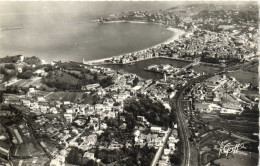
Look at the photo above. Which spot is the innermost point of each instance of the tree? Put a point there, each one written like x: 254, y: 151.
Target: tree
x: 135, y: 81
x: 1, y: 97
x: 10, y: 66
x: 32, y: 60
x: 91, y: 163
x: 106, y: 82
x: 25, y: 75
x: 48, y: 68
x: 75, y: 156
x: 10, y: 59
x: 175, y: 159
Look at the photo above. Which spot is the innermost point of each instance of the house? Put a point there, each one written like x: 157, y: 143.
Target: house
x: 89, y: 155
x: 4, y: 149
x: 75, y: 131
x: 41, y: 72
x: 173, y: 139
x: 156, y: 129
x: 99, y: 107
x: 90, y: 87
x: 53, y: 110
x: 59, y: 160
x: 137, y: 133
x: 229, y: 111
x: 26, y: 102
x: 101, y: 92
x: 141, y: 118
x: 43, y: 106
x: 171, y: 145
x: 74, y: 144
x: 66, y: 103
x: 115, y: 146
x: 1, y: 78
x: 109, y: 102
x: 18, y: 136
x: 11, y: 99
x: 68, y: 117
x: 88, y: 141
x: 34, y: 106
x: 167, y: 151
x: 103, y: 126
x: 69, y: 111
x: 20, y: 68
x: 163, y: 163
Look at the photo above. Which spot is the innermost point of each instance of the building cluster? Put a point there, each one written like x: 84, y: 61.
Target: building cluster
x: 213, y: 47
x: 133, y: 57
x: 167, y: 17
x: 26, y: 149
x: 221, y: 95
x: 170, y: 148
x: 74, y: 124
x: 219, y: 46
x: 168, y: 69
x: 174, y: 72
x: 218, y: 35
x: 158, y: 92
x: 49, y: 129
x: 173, y: 77
x: 145, y: 134
x: 4, y: 147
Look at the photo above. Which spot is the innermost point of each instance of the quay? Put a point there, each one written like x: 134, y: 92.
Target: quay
x: 102, y: 61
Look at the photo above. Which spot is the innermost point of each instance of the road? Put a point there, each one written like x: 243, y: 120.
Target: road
x: 181, y: 120
x: 182, y: 125
x: 160, y: 150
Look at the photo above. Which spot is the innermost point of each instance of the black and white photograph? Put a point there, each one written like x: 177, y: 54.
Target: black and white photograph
x: 129, y: 83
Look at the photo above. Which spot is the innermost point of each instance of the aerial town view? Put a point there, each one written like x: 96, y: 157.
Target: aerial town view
x: 129, y: 83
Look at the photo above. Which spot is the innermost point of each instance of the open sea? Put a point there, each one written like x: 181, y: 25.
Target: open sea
x: 65, y: 31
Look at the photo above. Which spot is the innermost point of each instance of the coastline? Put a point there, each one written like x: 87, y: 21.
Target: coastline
x: 175, y: 35
x: 123, y: 21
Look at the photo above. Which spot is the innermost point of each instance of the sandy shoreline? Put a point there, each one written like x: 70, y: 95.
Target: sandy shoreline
x: 123, y: 21
x: 175, y: 35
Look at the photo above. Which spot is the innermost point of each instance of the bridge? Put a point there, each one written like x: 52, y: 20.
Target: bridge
x: 194, y: 63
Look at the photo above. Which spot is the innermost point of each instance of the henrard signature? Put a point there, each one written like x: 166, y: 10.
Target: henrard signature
x: 228, y: 148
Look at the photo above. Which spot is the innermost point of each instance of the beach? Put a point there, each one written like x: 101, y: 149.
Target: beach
x: 175, y: 35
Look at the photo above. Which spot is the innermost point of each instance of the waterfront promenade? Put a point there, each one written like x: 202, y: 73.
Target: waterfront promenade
x: 102, y: 61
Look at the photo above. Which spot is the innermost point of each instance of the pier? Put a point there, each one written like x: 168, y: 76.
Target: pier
x: 195, y: 62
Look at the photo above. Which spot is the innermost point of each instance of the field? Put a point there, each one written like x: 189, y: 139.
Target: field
x: 65, y: 96
x: 78, y: 97
x: 65, y: 78
x: 28, y: 149
x: 39, y: 161
x: 24, y: 83
x: 61, y: 81
x: 245, y: 77
x: 253, y: 68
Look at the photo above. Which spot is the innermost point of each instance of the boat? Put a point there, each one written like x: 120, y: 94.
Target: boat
x: 130, y: 64
x: 11, y: 28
